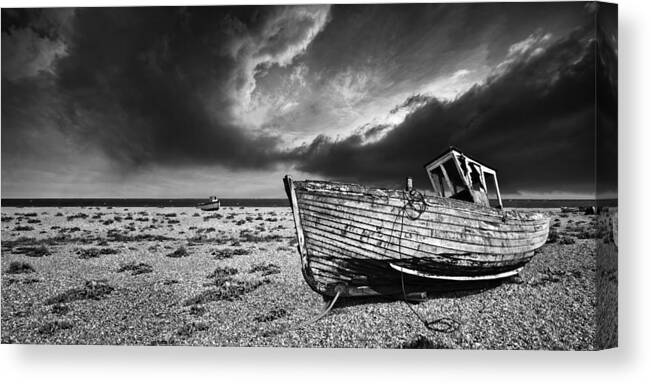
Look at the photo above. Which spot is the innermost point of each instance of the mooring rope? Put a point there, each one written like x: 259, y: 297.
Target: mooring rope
x: 324, y: 312
x: 442, y: 324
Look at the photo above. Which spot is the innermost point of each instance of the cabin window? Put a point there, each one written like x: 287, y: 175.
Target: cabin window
x: 439, y: 182
x: 476, y: 177
x: 491, y: 190
x: 454, y: 175
x: 458, y: 184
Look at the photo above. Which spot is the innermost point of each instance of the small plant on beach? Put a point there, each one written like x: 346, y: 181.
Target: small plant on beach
x: 179, y: 252
x: 221, y: 276
x: 229, y: 291
x: 23, y: 228
x: 221, y: 254
x: 566, y: 240
x: 53, y: 326
x: 248, y: 236
x: 136, y: 268
x: 197, y: 310
x: 80, y: 215
x: 222, y: 271
x: 116, y: 235
x: 34, y: 251
x: 92, y: 290
x: 16, y: 267
x: 90, y: 253
x: 188, y: 329
x: 422, y: 342
x: 213, y: 216
x: 27, y: 281
x: 33, y: 221
x: 272, y: 315
x: 588, y: 233
x: 60, y: 309
x: 265, y: 269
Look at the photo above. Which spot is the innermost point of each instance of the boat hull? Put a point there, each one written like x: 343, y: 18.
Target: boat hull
x: 209, y: 206
x: 355, y: 240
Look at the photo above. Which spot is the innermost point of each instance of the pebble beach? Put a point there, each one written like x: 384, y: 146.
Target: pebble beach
x: 180, y: 276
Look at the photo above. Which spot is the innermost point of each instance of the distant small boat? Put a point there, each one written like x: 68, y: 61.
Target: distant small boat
x: 356, y: 241
x: 212, y: 204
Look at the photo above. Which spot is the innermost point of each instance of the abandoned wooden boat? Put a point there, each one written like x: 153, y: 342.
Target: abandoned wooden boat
x: 212, y: 204
x: 356, y: 241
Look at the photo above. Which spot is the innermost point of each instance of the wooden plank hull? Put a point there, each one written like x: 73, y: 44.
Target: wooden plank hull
x: 358, y: 241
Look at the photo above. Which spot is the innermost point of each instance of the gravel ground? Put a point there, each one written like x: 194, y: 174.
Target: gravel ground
x: 177, y: 276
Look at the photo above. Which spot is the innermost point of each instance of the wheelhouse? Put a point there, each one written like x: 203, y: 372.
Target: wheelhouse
x: 454, y: 175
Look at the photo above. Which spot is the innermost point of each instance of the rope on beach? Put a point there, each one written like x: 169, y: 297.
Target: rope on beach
x: 416, y: 201
x: 324, y: 312
x: 313, y: 320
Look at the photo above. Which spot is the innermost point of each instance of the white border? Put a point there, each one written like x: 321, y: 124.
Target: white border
x: 77, y: 364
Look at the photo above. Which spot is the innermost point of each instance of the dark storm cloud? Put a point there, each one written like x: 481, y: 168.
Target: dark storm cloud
x: 235, y: 87
x: 533, y: 121
x: 404, y: 36
x: 153, y: 85
x: 144, y: 84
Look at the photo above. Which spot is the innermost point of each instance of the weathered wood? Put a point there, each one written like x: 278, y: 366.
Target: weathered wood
x: 426, y: 228
x: 412, y: 239
x: 365, y: 249
x: 348, y: 235
x: 428, y: 219
x: 398, y: 199
x: 302, y: 249
x: 346, y: 253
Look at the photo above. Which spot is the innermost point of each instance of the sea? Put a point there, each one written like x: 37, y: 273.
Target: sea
x: 163, y: 203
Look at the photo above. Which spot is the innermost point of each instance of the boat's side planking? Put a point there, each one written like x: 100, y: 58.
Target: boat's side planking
x: 348, y: 234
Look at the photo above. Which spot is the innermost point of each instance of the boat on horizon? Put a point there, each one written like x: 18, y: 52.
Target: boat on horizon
x: 212, y: 204
x: 355, y: 240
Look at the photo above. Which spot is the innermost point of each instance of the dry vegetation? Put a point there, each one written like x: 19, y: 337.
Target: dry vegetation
x: 179, y: 277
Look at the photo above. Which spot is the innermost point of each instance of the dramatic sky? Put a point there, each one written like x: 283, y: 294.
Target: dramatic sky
x: 190, y: 102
